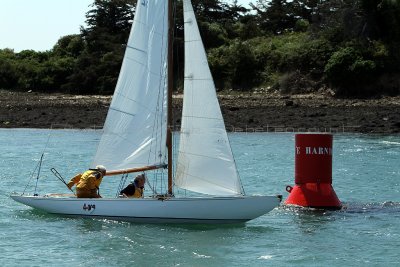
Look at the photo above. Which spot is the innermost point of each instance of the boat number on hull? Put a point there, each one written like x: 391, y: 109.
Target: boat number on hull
x: 89, y: 207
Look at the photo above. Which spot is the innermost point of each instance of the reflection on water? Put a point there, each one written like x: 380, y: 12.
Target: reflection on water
x: 311, y: 220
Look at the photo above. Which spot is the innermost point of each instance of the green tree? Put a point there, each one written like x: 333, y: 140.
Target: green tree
x: 108, y: 29
x: 235, y: 66
x: 274, y: 16
x: 8, y: 73
x: 69, y: 46
x: 349, y: 72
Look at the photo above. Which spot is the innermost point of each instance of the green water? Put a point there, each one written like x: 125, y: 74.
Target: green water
x: 366, y: 178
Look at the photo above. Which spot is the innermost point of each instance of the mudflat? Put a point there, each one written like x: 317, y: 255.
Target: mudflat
x: 243, y: 112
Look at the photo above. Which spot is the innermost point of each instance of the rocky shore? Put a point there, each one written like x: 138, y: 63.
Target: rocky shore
x: 250, y: 112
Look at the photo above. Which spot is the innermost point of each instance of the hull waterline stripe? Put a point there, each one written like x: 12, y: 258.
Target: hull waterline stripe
x: 147, y: 218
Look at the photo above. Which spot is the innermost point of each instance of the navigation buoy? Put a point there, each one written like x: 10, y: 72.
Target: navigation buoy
x: 313, y: 173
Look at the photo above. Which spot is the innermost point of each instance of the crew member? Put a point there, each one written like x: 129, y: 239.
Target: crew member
x: 136, y: 188
x: 88, y: 183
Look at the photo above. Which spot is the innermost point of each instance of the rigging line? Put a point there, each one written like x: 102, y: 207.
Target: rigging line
x: 176, y: 149
x: 174, y: 138
x: 163, y: 70
x: 155, y: 132
x: 37, y: 178
x: 38, y: 165
x: 152, y: 189
x: 136, y: 102
x: 234, y: 162
x: 58, y: 175
x: 122, y: 182
x: 144, y: 65
x: 146, y: 26
x: 158, y: 120
x: 29, y: 181
x: 160, y: 179
x: 154, y: 139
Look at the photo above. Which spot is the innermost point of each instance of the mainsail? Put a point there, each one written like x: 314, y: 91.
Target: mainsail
x: 135, y: 129
x: 205, y: 160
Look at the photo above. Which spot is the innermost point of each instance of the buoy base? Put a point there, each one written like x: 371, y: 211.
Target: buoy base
x: 313, y: 195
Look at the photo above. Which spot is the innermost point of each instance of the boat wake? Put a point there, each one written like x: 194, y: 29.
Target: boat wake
x: 374, y: 207
x: 349, y: 207
x: 391, y: 143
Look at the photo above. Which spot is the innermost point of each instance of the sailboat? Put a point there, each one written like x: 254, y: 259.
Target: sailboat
x: 137, y: 135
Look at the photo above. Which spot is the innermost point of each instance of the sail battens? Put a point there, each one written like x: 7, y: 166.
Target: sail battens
x: 205, y: 156
x: 138, y: 103
x: 147, y: 27
x: 197, y: 79
x: 194, y: 40
x: 146, y: 67
x: 136, y: 49
x: 158, y: 74
x: 121, y: 111
x: 199, y: 117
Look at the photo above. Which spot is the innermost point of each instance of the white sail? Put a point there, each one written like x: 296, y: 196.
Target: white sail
x: 205, y: 160
x: 135, y: 129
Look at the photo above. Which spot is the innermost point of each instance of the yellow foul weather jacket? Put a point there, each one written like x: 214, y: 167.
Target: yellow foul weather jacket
x: 87, y: 184
x: 138, y: 192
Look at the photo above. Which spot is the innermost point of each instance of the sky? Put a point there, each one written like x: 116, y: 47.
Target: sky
x: 38, y: 24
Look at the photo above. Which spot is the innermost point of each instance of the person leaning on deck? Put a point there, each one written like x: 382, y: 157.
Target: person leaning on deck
x: 88, y: 183
x: 136, y: 188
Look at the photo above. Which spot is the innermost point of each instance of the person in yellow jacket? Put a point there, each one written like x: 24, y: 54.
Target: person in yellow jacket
x: 136, y: 188
x: 88, y: 183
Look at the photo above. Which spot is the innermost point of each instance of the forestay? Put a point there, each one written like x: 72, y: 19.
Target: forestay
x: 205, y: 160
x: 135, y: 129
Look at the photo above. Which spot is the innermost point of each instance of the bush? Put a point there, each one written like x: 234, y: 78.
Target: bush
x: 295, y: 82
x: 235, y: 66
x: 349, y: 72
x: 213, y: 34
x: 301, y: 25
x: 289, y: 54
x: 8, y: 75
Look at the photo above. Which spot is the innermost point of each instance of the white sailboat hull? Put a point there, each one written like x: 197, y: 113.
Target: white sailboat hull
x: 153, y: 210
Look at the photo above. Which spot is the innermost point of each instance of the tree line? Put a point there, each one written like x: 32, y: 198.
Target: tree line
x: 293, y: 46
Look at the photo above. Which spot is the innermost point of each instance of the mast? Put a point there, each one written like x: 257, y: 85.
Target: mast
x: 170, y: 87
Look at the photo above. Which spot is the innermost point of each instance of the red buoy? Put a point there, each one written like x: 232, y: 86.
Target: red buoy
x: 313, y: 173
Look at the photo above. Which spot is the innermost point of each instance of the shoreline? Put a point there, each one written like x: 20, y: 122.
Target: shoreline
x: 242, y: 112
